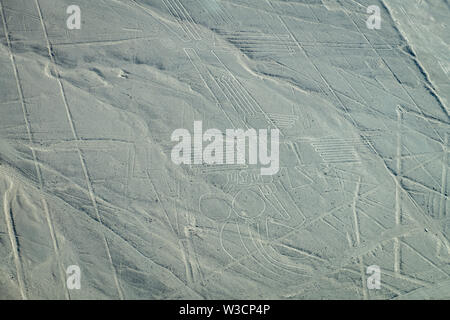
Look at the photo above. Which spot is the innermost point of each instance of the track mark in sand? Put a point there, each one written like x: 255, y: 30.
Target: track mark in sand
x: 429, y: 86
x: 422, y: 164
x: 421, y: 185
x: 398, y: 192
x: 323, y: 79
x: 13, y: 239
x: 234, y: 92
x: 252, y: 254
x: 271, y: 197
x: 254, y: 105
x: 187, y: 265
x: 383, y: 284
x: 55, y: 245
x: 130, y: 171
x: 192, y: 258
x: 421, y: 216
x: 80, y: 154
x: 355, y: 215
x: 277, y: 241
x: 285, y: 121
x: 184, y: 19
x: 334, y: 150
x: 443, y: 67
x: 358, y: 237
x: 424, y: 258
x: 405, y: 104
x: 406, y: 110
x: 166, y: 23
x: 220, y: 13
x: 192, y: 267
x: 443, y: 202
x: 19, y: 88
x: 205, y: 74
x: 101, y: 42
x: 413, y: 25
x: 37, y: 168
x: 256, y: 44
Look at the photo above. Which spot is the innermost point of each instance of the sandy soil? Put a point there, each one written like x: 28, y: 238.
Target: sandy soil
x: 86, y: 176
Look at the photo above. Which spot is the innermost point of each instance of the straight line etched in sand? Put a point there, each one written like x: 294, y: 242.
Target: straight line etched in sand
x: 80, y: 154
x: 30, y: 139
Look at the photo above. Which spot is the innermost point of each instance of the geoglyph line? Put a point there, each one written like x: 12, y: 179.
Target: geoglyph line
x: 38, y: 171
x: 80, y: 154
x: 13, y: 240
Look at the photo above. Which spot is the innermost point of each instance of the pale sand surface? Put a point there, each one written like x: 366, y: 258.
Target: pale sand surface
x: 86, y: 176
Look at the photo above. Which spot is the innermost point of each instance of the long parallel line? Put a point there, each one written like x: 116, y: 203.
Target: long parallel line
x: 80, y: 154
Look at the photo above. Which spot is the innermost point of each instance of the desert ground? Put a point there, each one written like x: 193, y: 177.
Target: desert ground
x: 87, y: 179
